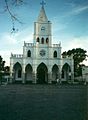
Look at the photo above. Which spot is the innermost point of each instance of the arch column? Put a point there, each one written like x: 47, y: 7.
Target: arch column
x: 72, y: 69
x: 34, y: 74
x: 60, y: 73
x: 49, y: 75
x: 72, y: 73
x: 11, y: 73
x: 23, y: 73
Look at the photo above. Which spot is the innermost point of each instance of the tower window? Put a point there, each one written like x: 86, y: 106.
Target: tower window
x: 29, y: 53
x: 42, y: 40
x: 38, y: 39
x: 55, y: 54
x: 47, y: 40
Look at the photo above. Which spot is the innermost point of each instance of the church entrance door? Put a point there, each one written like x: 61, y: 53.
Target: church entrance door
x: 42, y: 74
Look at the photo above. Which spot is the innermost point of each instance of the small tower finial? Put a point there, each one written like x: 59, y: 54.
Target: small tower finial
x: 42, y: 3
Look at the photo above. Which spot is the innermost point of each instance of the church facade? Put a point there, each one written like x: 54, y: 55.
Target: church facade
x: 41, y: 61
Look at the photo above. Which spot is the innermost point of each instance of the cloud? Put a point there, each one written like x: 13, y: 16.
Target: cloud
x: 7, y: 53
x: 13, y: 43
x: 76, y: 42
x: 58, y: 25
x: 6, y: 38
x: 75, y: 11
x: 25, y: 35
x: 6, y: 56
x: 9, y: 40
x: 80, y: 9
x: 72, y: 42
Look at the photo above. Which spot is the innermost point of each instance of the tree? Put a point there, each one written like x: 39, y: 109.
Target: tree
x: 79, y: 55
x: 2, y: 64
x: 9, y: 6
x: 7, y: 70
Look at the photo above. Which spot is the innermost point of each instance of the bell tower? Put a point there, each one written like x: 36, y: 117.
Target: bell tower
x: 42, y: 28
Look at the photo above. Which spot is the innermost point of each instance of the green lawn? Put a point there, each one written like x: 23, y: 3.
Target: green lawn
x: 43, y: 102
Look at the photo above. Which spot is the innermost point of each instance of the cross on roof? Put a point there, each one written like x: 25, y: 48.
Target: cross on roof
x: 42, y: 3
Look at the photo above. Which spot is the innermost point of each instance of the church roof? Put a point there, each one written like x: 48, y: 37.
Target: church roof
x: 42, y: 16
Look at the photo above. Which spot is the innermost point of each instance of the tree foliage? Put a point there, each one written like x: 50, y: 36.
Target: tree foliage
x: 8, y: 4
x: 79, y: 55
x: 8, y: 7
x: 2, y: 65
x: 4, y: 70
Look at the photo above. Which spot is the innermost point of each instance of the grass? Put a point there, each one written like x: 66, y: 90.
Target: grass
x: 43, y: 102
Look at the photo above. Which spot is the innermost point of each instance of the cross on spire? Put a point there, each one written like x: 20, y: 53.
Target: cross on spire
x: 42, y: 3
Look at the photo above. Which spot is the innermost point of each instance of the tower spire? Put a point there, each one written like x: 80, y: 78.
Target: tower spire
x: 42, y: 3
x: 42, y: 16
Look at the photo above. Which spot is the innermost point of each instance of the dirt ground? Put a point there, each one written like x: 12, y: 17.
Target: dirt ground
x: 43, y: 102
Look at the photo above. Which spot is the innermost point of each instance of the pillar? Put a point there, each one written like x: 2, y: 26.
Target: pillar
x: 11, y: 77
x: 60, y: 75
x: 11, y: 73
x: 23, y: 78
x: 34, y: 77
x: 72, y: 77
x: 34, y: 74
x: 72, y: 71
x: 23, y: 74
x: 49, y: 75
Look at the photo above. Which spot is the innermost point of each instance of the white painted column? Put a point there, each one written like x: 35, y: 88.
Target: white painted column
x: 11, y: 72
x: 34, y: 78
x: 49, y: 75
x: 23, y: 73
x: 11, y: 76
x: 60, y: 73
x: 72, y: 71
x: 34, y: 75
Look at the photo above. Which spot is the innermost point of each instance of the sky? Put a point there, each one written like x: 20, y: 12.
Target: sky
x: 69, y: 25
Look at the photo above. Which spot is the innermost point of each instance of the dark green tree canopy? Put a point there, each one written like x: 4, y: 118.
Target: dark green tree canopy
x: 4, y: 70
x: 79, y: 55
x: 2, y: 64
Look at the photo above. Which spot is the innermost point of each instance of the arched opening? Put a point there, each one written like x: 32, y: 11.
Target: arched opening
x: 28, y: 73
x: 55, y: 72
x: 42, y: 40
x: 29, y: 53
x: 17, y: 72
x: 38, y: 39
x: 66, y: 72
x: 42, y: 74
x: 47, y: 40
x: 55, y: 54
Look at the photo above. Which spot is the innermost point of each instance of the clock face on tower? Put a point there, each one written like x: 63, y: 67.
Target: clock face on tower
x: 42, y: 52
x: 42, y: 28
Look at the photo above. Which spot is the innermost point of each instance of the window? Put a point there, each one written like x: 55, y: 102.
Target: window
x: 47, y: 40
x: 55, y: 54
x: 42, y: 40
x: 29, y: 53
x: 38, y: 39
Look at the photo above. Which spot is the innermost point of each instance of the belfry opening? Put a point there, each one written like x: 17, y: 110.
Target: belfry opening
x: 42, y: 74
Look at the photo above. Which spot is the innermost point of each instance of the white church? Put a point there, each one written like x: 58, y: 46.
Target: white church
x: 41, y: 61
